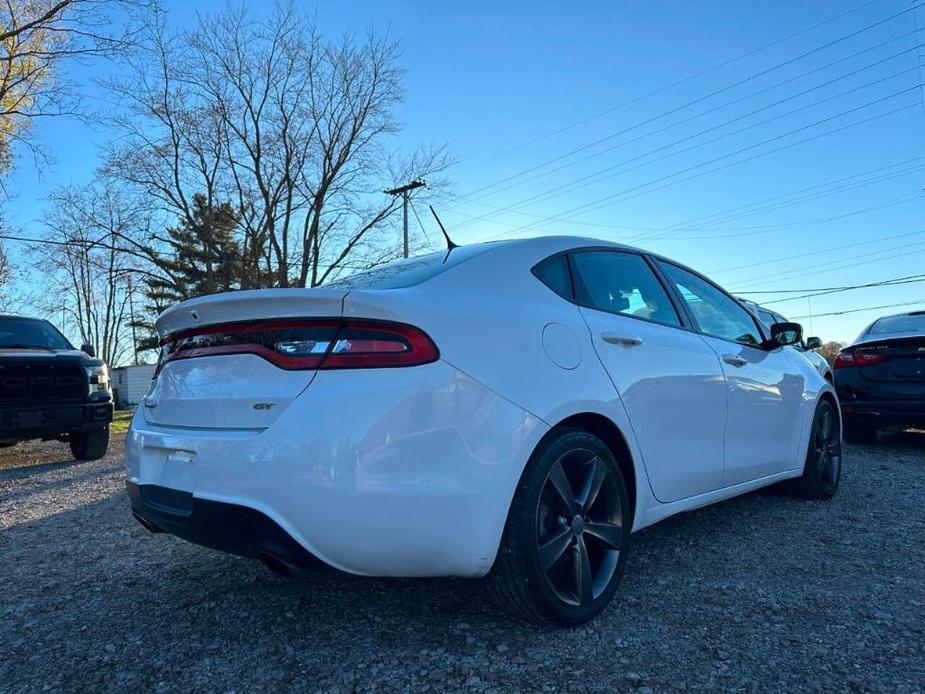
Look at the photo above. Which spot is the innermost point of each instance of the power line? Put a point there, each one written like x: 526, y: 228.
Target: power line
x: 915, y: 19
x: 742, y: 232
x: 699, y: 115
x: 868, y: 258
x: 571, y: 186
x: 739, y: 211
x: 808, y: 194
x: 817, y: 252
x: 612, y: 198
x: 908, y: 279
x: 710, y: 95
x: 673, y: 85
x: 420, y: 224
x: 859, y: 310
x: 832, y: 289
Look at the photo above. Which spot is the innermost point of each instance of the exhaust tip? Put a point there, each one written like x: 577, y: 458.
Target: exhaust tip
x: 145, y: 524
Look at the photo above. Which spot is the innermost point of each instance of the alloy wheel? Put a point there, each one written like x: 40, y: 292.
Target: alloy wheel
x: 579, y: 527
x: 827, y: 447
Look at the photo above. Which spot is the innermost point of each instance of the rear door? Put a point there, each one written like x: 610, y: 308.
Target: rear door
x: 670, y: 381
x: 269, y: 336
x: 765, y: 389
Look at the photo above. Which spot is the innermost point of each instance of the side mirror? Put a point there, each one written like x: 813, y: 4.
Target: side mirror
x: 88, y: 349
x: 813, y: 343
x: 784, y: 334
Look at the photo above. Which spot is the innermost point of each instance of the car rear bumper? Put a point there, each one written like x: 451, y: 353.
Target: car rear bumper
x: 51, y: 421
x: 883, y: 414
x: 387, y: 472
x: 226, y: 527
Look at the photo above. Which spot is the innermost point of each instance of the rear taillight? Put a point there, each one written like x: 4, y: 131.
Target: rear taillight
x: 846, y: 359
x: 294, y: 344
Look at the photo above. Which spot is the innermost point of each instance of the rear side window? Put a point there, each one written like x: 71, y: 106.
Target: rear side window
x: 554, y: 273
x: 622, y: 283
x: 911, y: 323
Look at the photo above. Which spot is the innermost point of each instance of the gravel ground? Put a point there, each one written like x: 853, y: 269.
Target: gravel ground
x: 763, y: 592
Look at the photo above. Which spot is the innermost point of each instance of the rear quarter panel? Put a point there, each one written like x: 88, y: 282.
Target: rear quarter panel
x: 494, y: 321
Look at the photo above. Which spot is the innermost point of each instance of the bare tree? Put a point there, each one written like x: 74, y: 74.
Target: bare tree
x: 35, y: 37
x: 88, y: 267
x: 4, y: 269
x: 294, y: 129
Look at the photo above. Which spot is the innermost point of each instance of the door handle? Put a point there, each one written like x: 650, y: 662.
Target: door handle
x: 622, y: 340
x: 734, y: 359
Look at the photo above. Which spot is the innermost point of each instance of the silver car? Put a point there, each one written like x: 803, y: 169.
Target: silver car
x: 806, y: 348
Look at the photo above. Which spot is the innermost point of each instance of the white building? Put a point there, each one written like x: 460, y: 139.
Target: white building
x: 130, y: 383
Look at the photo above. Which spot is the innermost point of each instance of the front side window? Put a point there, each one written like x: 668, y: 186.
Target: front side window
x: 716, y: 313
x: 622, y: 283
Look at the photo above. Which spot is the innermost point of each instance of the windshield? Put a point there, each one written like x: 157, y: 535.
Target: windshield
x: 910, y: 323
x: 27, y: 333
x: 409, y: 271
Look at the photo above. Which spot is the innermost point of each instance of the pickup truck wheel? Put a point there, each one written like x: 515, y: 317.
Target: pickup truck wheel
x: 91, y: 445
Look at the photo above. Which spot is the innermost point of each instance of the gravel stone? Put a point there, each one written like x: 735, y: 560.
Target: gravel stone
x: 760, y: 593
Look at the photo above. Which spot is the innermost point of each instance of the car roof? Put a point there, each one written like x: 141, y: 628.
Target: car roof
x: 542, y: 246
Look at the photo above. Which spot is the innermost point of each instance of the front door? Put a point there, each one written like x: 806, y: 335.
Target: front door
x: 765, y: 389
x: 670, y: 381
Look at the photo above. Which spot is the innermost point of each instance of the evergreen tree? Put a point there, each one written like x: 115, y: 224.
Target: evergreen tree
x: 203, y: 258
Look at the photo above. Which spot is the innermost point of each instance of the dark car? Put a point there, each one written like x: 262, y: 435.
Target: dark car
x: 49, y: 390
x: 880, y: 377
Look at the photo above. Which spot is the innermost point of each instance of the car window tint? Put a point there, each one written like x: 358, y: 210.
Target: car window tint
x: 622, y: 283
x: 28, y: 332
x: 553, y: 272
x: 766, y: 317
x: 716, y: 313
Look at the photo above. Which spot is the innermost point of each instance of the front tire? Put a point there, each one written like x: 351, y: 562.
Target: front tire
x: 564, y: 546
x: 822, y: 469
x: 90, y: 445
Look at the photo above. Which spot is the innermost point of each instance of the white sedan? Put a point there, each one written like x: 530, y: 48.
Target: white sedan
x: 510, y: 409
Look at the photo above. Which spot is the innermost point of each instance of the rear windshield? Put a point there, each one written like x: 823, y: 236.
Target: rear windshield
x: 408, y: 272
x: 24, y: 333
x: 913, y: 322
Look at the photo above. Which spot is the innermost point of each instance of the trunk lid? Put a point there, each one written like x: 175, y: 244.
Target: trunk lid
x: 237, y: 390
x: 895, y: 360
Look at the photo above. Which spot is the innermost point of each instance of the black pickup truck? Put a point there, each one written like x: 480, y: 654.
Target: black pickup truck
x: 49, y: 390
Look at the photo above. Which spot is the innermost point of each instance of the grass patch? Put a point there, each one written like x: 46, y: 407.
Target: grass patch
x: 120, y: 421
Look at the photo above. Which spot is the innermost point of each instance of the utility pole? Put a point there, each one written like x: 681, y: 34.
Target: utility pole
x: 404, y: 191
x: 131, y: 309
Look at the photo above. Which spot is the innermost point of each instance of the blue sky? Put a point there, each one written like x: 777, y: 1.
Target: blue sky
x: 511, y: 86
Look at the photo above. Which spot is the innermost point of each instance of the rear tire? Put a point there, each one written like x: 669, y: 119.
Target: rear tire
x: 565, y: 542
x: 90, y: 445
x: 860, y: 435
x: 822, y: 469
